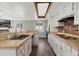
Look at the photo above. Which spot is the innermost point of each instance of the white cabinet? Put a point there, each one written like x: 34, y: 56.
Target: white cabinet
x: 68, y: 10
x: 28, y: 46
x: 65, y: 11
x: 75, y: 52
x: 7, y: 52
x: 26, y: 49
x: 35, y: 38
x: 66, y: 50
x: 55, y: 44
x: 76, y: 13
x: 51, y: 41
x: 21, y: 51
x: 60, y: 47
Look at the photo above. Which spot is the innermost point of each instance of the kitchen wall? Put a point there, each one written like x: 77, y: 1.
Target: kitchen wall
x: 57, y: 12
x: 27, y: 25
x: 41, y: 27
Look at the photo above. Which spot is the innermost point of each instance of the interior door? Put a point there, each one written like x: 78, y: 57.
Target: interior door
x: 41, y: 27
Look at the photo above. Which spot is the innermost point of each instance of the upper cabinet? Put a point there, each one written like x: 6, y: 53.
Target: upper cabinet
x: 68, y: 10
x: 71, y: 9
x: 61, y: 10
x: 76, y: 13
x: 65, y: 11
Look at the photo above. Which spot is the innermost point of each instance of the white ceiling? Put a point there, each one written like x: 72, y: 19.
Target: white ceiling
x: 17, y: 10
x: 42, y: 8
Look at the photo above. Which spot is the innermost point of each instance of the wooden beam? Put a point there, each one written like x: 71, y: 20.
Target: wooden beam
x: 36, y: 3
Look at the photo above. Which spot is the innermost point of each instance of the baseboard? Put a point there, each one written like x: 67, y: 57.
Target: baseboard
x: 42, y: 37
x: 34, y: 44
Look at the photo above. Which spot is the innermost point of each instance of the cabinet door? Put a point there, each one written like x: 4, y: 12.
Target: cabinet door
x: 76, y: 13
x: 21, y: 50
x: 75, y: 52
x: 55, y: 44
x: 22, y: 54
x: 29, y: 45
x: 66, y: 50
x: 50, y: 40
x: 59, y: 47
x: 26, y: 49
x: 36, y: 39
x: 70, y: 9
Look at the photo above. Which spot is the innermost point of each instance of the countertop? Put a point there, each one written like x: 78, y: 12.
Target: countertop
x: 71, y: 42
x: 8, y: 43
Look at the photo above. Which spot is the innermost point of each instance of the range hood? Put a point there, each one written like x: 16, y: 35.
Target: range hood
x: 66, y: 19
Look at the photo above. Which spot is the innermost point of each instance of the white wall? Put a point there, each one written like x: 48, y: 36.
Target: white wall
x: 58, y: 11
x: 51, y: 16
x: 27, y: 25
x: 41, y: 30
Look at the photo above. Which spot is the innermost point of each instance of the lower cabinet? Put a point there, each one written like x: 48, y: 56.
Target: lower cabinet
x: 61, y: 48
x: 28, y: 47
x: 58, y: 48
x: 55, y: 44
x: 35, y: 38
x: 23, y: 50
x: 66, y: 50
x: 75, y: 52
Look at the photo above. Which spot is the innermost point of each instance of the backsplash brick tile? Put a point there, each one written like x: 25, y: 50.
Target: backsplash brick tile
x: 69, y: 27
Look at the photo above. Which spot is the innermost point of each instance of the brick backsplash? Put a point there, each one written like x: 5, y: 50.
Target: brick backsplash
x: 69, y: 27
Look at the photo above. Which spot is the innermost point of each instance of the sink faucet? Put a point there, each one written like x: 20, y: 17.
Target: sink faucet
x: 15, y: 34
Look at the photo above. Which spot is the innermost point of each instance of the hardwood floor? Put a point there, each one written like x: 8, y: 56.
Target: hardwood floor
x: 42, y: 49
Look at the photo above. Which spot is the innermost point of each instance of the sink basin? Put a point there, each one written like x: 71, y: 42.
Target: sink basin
x: 19, y: 37
x: 66, y: 37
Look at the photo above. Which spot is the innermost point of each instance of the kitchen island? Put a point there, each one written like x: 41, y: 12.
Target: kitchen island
x: 16, y: 47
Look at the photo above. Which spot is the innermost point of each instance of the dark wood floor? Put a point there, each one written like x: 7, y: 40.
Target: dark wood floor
x: 42, y: 49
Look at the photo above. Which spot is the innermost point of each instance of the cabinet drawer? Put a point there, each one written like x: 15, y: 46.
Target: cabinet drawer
x: 29, y: 45
x: 20, y: 50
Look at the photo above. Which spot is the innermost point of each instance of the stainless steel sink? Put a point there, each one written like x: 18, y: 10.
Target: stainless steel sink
x: 19, y: 37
